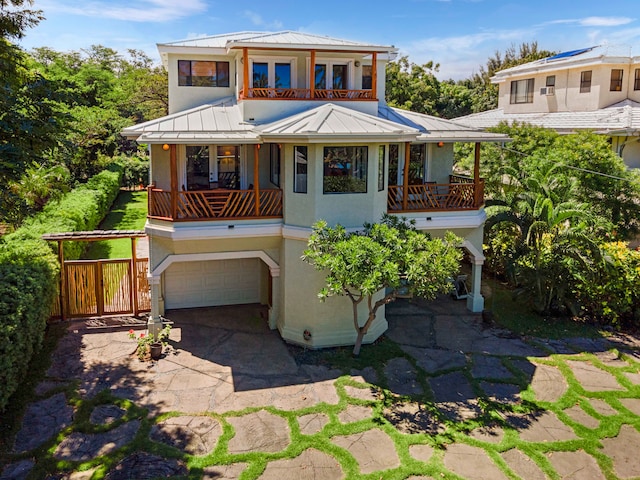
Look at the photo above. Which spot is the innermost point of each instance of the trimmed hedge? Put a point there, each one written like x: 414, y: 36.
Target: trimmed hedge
x: 29, y: 271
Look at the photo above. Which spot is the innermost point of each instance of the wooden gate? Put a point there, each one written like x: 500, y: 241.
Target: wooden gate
x: 101, y: 287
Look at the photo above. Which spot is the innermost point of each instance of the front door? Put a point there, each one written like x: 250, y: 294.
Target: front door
x: 197, y: 167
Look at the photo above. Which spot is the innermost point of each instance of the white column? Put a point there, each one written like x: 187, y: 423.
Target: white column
x: 154, y: 324
x: 274, y: 311
x: 475, y: 300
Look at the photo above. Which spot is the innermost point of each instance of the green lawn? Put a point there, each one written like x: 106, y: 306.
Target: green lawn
x: 128, y: 212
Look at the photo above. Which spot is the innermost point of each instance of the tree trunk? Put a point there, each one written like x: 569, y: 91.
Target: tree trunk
x: 356, y: 347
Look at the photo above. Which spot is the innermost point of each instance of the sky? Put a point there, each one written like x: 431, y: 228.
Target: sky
x: 459, y: 35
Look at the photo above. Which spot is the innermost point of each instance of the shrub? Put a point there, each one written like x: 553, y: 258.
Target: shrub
x: 29, y: 269
x: 136, y: 171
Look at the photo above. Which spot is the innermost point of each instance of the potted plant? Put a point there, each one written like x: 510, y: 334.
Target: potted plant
x: 150, y: 346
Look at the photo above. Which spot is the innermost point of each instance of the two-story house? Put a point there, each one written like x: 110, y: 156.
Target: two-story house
x: 268, y: 133
x: 596, y: 88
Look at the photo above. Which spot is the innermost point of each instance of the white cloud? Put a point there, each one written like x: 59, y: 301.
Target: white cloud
x: 133, y: 11
x: 593, y: 21
x: 256, y: 19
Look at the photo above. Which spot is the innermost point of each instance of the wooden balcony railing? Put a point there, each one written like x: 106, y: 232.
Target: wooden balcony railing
x: 307, y: 94
x: 431, y: 197
x: 215, y: 204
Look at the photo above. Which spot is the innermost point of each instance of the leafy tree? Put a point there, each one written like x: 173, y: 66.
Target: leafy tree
x: 383, y: 257
x: 411, y: 86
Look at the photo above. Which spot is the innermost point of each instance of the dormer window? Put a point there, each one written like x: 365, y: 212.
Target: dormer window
x: 196, y: 73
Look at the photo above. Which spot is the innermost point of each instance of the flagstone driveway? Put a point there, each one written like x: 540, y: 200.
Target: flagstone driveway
x: 230, y: 399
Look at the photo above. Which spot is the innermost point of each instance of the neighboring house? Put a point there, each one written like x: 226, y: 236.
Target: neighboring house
x: 268, y: 133
x: 595, y: 88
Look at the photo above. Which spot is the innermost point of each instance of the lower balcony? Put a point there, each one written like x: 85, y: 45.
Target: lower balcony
x: 461, y: 193
x: 217, y: 204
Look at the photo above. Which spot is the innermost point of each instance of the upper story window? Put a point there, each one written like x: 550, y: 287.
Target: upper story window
x: 550, y: 81
x: 585, y: 81
x: 271, y: 74
x: 300, y: 167
x: 616, y: 80
x: 636, y: 81
x: 331, y: 76
x: 381, y: 168
x: 522, y: 91
x: 367, y: 77
x: 197, y: 73
x: 345, y: 170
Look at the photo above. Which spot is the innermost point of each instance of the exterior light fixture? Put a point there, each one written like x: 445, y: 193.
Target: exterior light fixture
x: 357, y: 63
x: 165, y: 147
x: 440, y: 144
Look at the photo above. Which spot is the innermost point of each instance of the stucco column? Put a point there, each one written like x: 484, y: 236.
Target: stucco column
x: 154, y: 324
x: 475, y: 300
x: 274, y: 311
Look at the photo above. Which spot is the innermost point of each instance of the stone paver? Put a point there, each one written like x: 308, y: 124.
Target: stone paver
x: 42, y: 420
x: 501, y: 392
x: 592, y: 378
x: 224, y: 472
x: 311, y: 464
x: 544, y: 427
x: 80, y: 447
x: 355, y: 413
x: 548, y: 383
x: 421, y: 452
x: 489, y: 367
x: 633, y: 377
x: 577, y: 465
x: 312, y: 423
x: 373, y: 450
x: 412, y: 417
x: 451, y: 387
x: 18, y: 470
x: 632, y: 404
x: 578, y: 415
x: 106, y: 414
x: 259, y: 432
x: 432, y: 360
x: 522, y: 465
x: 602, y: 407
x: 402, y: 378
x: 143, y: 466
x: 471, y: 463
x: 626, y: 462
x: 195, y: 435
x: 367, y: 393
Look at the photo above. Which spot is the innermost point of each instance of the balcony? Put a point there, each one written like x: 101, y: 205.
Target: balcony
x: 306, y: 94
x: 217, y: 204
x: 460, y: 194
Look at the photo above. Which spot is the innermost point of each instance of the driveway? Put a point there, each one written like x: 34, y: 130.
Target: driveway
x: 229, y: 399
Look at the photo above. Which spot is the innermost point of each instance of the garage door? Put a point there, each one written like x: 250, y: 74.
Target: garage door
x: 213, y: 282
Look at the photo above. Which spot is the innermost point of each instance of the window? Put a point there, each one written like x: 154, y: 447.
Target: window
x: 270, y: 74
x: 522, y: 91
x: 283, y: 75
x: 381, y: 168
x: 274, y: 152
x: 636, y: 82
x: 367, y: 77
x: 616, y: 80
x: 331, y: 76
x: 260, y: 75
x: 197, y: 167
x: 345, y: 170
x: 394, y: 161
x: 585, y: 81
x: 300, y: 169
x: 551, y: 81
x: 195, y: 73
x: 418, y: 155
x: 229, y: 167
x: 339, y: 77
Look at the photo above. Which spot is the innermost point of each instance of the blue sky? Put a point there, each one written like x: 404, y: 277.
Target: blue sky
x: 458, y: 34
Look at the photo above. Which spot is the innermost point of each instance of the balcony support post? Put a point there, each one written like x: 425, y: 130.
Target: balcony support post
x: 477, y: 192
x: 256, y: 177
x: 245, y: 72
x: 405, y: 176
x: 374, y: 75
x: 312, y: 75
x: 174, y: 180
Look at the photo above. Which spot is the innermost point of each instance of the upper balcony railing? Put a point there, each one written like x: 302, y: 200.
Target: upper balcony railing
x: 217, y: 204
x: 306, y: 94
x: 460, y: 194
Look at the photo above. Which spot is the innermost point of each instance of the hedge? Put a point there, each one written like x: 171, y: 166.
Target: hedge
x: 29, y: 270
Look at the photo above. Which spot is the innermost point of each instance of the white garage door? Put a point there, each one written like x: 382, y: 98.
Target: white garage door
x: 213, y: 282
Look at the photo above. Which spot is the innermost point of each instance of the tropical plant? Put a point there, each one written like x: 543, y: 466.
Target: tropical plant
x: 374, y: 264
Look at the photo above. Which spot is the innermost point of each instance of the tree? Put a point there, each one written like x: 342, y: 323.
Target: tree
x: 411, y: 86
x: 383, y: 257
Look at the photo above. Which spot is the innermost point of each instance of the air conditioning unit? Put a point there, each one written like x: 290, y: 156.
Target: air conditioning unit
x: 548, y: 91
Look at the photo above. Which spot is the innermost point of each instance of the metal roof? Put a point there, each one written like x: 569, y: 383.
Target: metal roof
x: 622, y: 116
x: 220, y: 122
x: 434, y: 129
x: 331, y: 120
